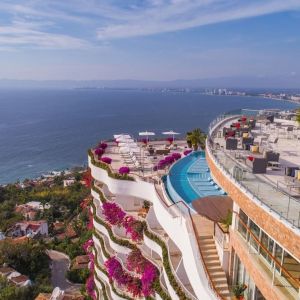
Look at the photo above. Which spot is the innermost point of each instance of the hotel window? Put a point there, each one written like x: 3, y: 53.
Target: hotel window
x: 242, y: 223
x: 268, y: 244
x: 255, y: 234
x: 278, y: 255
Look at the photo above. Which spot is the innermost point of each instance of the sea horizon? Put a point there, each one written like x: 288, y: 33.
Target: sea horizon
x: 51, y: 130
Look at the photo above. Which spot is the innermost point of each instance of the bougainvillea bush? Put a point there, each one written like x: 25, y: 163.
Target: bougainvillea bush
x: 102, y: 146
x: 116, y: 272
x: 87, y: 246
x: 134, y: 228
x: 106, y: 160
x: 138, y: 263
x: 148, y: 277
x: 99, y: 152
x: 113, y: 213
x: 187, y: 152
x: 124, y: 170
x: 134, y: 285
x: 90, y: 287
x: 176, y: 155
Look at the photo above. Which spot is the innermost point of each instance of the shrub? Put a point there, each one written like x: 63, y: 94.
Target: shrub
x: 78, y: 276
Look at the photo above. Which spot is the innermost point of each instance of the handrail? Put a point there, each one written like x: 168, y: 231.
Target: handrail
x: 282, y: 268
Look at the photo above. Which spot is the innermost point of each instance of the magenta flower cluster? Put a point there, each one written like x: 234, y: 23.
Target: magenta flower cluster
x: 124, y: 170
x: 106, y: 160
x: 138, y: 287
x: 90, y: 287
x: 88, y: 245
x: 134, y: 228
x: 187, y: 152
x: 99, y: 152
x: 102, y: 146
x: 168, y: 160
x: 113, y: 213
x: 116, y: 216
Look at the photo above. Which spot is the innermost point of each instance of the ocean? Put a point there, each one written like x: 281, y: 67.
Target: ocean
x: 45, y: 130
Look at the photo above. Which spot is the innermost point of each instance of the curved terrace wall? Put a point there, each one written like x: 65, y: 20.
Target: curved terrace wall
x: 172, y: 221
x: 269, y: 221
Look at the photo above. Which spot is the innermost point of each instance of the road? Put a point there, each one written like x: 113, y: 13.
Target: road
x: 60, y: 263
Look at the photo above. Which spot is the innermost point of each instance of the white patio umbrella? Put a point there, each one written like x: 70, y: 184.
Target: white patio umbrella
x: 171, y: 132
x: 124, y: 139
x: 116, y: 136
x: 146, y: 133
x: 125, y: 144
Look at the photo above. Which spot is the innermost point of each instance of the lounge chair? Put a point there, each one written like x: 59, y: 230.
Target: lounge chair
x: 257, y: 165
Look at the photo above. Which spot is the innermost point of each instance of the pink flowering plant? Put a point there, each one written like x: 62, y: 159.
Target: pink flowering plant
x: 90, y: 287
x: 106, y: 160
x: 87, y: 246
x: 148, y: 277
x: 134, y: 228
x: 124, y: 170
x: 116, y: 272
x: 138, y: 263
x: 187, y: 152
x: 102, y: 146
x: 113, y: 213
x: 99, y: 152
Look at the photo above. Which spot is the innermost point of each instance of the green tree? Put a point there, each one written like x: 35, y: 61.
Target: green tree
x: 197, y: 138
x: 298, y: 115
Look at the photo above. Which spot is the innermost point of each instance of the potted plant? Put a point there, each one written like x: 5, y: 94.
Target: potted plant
x: 146, y: 205
x: 239, y: 290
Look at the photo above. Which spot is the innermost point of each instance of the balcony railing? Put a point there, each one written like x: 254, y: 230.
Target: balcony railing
x: 277, y: 200
x: 279, y: 275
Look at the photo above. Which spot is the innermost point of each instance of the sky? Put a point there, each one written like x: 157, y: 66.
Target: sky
x: 148, y: 39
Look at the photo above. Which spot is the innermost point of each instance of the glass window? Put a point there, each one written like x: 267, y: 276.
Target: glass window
x: 242, y: 223
x: 255, y: 231
x: 268, y: 244
x: 278, y: 256
x: 292, y: 267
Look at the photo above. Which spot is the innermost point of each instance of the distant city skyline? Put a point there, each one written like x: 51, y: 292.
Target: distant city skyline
x: 150, y: 40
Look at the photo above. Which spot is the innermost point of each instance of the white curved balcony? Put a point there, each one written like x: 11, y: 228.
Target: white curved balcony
x: 172, y: 220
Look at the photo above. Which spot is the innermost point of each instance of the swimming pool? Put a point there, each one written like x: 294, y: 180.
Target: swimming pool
x: 189, y: 179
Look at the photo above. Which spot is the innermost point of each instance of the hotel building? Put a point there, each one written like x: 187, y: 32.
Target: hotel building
x: 216, y: 224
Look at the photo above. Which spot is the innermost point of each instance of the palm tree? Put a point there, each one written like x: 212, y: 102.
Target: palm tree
x: 298, y: 115
x: 197, y: 138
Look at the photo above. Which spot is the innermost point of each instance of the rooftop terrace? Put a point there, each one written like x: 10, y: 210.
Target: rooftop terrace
x: 263, y: 157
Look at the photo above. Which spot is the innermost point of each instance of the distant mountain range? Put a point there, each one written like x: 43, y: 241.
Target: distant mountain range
x: 283, y: 82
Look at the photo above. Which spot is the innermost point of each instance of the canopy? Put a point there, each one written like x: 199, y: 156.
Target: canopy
x: 117, y: 136
x: 171, y: 132
x: 146, y: 133
x: 122, y: 140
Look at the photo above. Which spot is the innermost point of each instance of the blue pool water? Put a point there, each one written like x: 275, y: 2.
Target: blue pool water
x: 190, y: 179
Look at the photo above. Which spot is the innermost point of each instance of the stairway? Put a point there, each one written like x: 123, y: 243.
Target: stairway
x: 211, y: 260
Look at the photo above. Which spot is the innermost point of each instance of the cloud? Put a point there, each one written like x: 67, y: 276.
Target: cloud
x: 173, y: 15
x: 77, y: 24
